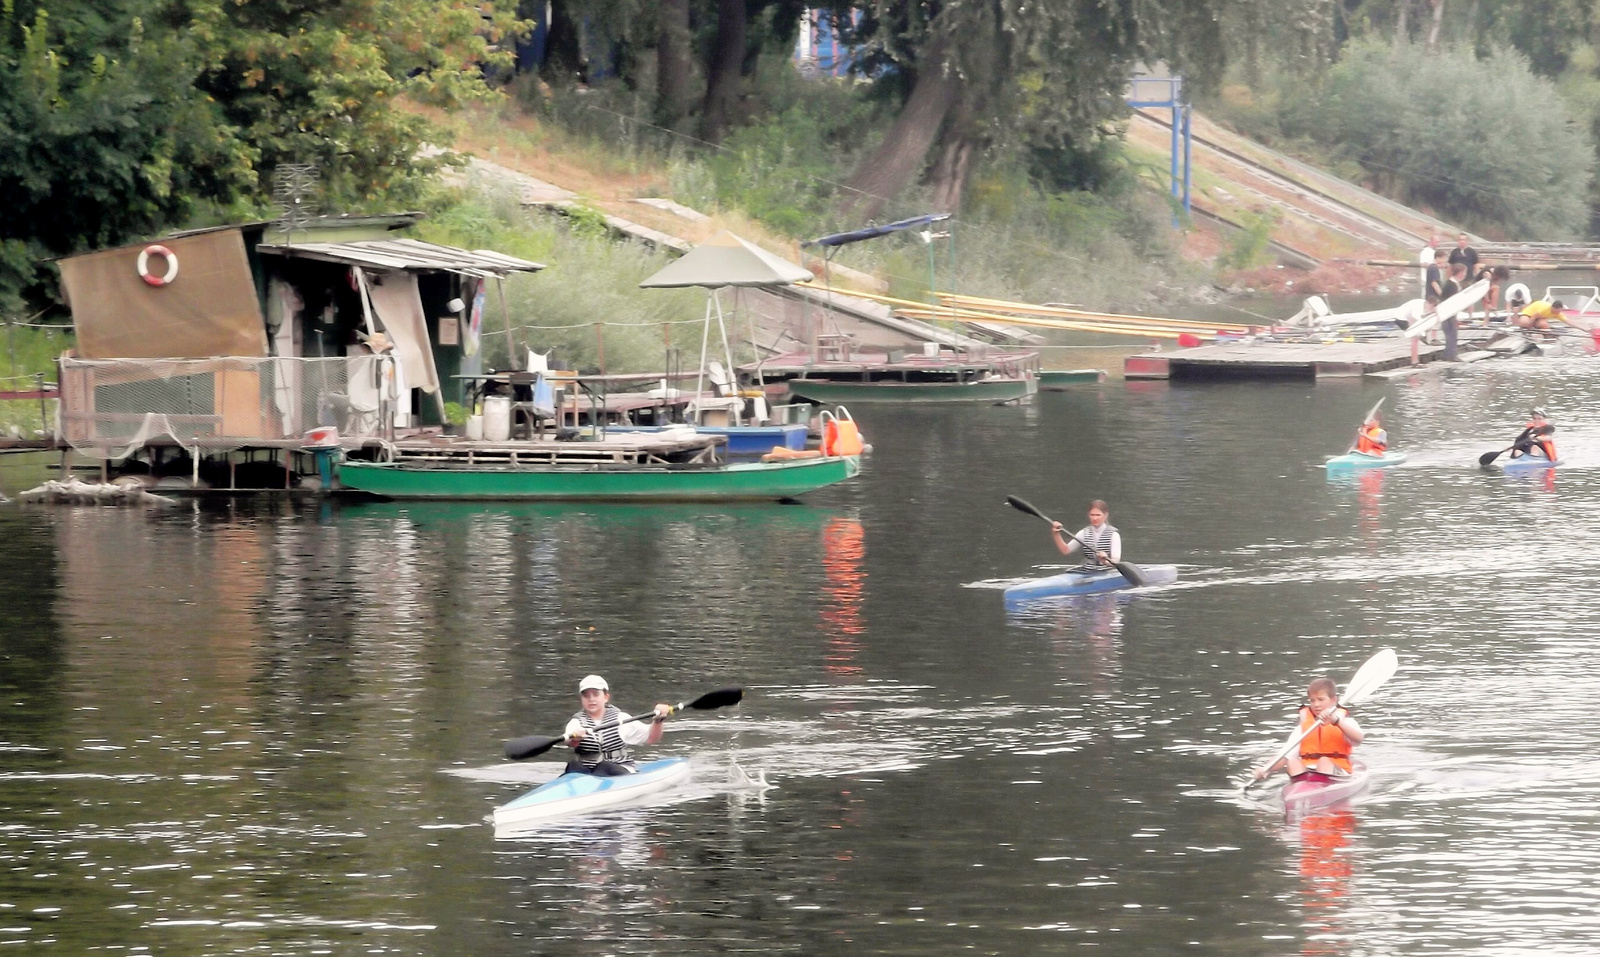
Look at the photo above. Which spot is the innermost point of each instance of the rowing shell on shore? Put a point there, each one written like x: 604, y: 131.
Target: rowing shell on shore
x: 577, y: 794
x: 1087, y: 583
x: 1316, y: 790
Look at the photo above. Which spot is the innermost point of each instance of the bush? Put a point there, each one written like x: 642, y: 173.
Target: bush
x: 1485, y: 142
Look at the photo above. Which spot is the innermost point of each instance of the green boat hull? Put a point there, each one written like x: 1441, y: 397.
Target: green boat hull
x: 752, y: 481
x: 830, y: 392
x: 1054, y: 379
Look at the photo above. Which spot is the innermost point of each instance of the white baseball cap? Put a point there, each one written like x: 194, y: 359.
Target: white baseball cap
x: 593, y: 681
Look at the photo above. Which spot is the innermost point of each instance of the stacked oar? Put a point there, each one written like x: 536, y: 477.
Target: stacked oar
x: 977, y: 309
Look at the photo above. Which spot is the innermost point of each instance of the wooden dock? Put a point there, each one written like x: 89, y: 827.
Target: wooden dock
x: 1277, y: 360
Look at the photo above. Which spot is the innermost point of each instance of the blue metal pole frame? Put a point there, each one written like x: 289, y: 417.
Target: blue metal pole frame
x: 1182, y: 137
x: 1188, y: 140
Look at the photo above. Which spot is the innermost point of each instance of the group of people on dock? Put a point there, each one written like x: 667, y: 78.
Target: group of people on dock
x: 1449, y: 271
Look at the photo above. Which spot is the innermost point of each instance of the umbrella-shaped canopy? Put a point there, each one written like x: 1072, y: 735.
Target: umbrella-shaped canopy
x: 727, y: 260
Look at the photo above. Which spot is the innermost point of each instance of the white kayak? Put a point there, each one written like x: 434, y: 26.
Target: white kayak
x: 576, y: 794
x: 1087, y: 583
x: 1365, y: 460
x: 1528, y: 463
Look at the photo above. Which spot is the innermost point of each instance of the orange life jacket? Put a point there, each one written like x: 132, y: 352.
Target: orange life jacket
x: 1325, y: 742
x: 1371, y: 439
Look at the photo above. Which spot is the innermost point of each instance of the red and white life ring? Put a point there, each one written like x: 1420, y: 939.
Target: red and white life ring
x: 144, y: 265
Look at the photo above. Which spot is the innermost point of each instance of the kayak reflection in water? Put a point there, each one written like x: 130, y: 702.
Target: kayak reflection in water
x: 604, y: 751
x: 1326, y: 748
x: 1104, y: 539
x: 1535, y: 437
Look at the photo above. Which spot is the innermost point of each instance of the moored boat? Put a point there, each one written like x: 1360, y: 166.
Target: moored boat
x: 1056, y: 380
x: 1364, y: 460
x: 1087, y: 583
x: 575, y: 794
x: 739, y: 481
x: 989, y: 389
x: 1314, y: 789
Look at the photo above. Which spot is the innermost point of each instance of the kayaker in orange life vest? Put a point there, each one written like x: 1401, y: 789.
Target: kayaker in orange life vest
x: 1536, y: 435
x: 1325, y: 750
x: 1371, y: 439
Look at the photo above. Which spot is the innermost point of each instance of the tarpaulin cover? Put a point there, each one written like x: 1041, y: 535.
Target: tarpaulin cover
x: 399, y: 307
x: 210, y: 309
x: 873, y: 232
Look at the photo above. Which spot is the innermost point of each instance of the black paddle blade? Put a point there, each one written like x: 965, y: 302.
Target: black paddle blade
x: 530, y: 746
x: 1131, y: 573
x: 1487, y: 459
x: 1022, y: 506
x: 720, y: 698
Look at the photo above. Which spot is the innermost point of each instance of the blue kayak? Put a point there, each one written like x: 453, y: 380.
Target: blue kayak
x: 1528, y: 463
x: 1364, y: 460
x: 1087, y: 583
x: 572, y: 794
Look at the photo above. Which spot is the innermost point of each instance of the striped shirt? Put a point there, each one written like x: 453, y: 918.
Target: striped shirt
x: 1104, y: 539
x: 609, y: 744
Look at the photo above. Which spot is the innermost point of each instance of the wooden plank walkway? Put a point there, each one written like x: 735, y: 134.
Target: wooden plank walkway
x: 1277, y: 360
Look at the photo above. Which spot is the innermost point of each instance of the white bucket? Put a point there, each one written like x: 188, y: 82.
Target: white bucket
x: 475, y: 427
x: 497, y: 418
x: 930, y: 349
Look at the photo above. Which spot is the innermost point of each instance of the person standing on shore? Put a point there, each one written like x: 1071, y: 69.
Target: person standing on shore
x: 1465, y: 255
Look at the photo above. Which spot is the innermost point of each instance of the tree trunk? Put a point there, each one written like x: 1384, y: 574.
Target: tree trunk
x: 1438, y: 18
x: 954, y: 163
x: 727, y: 64
x: 1402, y: 26
x: 672, y: 63
x: 899, y: 158
x: 563, y: 60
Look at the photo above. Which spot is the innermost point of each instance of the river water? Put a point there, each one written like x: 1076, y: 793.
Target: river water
x: 258, y: 728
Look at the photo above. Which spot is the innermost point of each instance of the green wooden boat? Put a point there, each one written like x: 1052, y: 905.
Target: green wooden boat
x: 836, y: 391
x: 1053, y: 380
x: 748, y: 481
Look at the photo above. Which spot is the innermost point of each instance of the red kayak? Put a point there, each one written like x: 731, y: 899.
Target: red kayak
x: 1315, y: 789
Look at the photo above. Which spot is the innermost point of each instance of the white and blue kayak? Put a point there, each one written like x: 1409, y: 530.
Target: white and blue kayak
x: 1364, y: 460
x: 1528, y: 463
x: 1087, y: 583
x: 577, y: 794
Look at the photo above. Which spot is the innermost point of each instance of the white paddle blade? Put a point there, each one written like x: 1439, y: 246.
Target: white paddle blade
x: 1371, y: 676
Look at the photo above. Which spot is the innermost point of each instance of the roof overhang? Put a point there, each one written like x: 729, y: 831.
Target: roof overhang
x: 406, y: 254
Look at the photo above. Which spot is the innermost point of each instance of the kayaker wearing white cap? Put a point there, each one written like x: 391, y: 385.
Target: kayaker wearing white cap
x: 605, y: 751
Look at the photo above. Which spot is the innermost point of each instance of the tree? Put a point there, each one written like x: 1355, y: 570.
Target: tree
x: 1011, y: 71
x: 103, y: 136
x: 318, y: 81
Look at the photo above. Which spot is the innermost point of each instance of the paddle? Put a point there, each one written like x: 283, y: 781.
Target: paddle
x: 533, y: 745
x: 1368, y: 679
x: 1131, y: 573
x: 1487, y: 458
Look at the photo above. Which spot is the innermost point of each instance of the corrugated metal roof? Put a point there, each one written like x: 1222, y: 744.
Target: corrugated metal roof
x: 407, y: 254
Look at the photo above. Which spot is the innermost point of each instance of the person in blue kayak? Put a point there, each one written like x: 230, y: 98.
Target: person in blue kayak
x: 1102, y: 539
x: 1371, y: 439
x: 1535, y: 437
x: 604, y: 750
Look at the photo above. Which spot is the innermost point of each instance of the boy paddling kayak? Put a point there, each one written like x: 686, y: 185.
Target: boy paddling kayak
x: 1326, y: 735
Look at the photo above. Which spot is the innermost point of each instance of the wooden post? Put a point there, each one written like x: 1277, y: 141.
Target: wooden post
x: 505, y: 313
x: 600, y: 345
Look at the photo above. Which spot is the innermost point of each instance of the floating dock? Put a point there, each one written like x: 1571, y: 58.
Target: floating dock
x: 1277, y: 360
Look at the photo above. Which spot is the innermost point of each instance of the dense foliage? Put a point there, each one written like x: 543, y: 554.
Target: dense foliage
x: 122, y: 117
x: 1420, y: 126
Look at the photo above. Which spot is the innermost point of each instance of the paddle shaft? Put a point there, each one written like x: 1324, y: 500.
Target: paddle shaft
x: 1126, y: 570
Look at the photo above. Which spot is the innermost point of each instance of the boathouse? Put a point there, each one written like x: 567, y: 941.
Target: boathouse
x: 230, y: 345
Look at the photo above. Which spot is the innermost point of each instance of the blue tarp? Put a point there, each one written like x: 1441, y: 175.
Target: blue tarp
x: 872, y: 232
